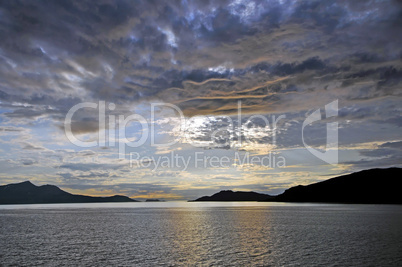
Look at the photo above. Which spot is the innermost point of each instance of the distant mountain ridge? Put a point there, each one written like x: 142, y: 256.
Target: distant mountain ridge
x: 375, y: 186
x: 229, y: 195
x: 28, y: 193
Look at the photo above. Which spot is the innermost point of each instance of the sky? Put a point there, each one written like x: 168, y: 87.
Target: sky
x: 180, y: 99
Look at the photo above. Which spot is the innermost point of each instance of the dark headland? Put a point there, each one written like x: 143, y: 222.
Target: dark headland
x: 28, y: 193
x: 375, y: 186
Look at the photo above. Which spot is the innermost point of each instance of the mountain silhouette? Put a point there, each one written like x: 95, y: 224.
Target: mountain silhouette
x: 153, y: 200
x: 228, y: 195
x: 28, y: 193
x: 376, y: 186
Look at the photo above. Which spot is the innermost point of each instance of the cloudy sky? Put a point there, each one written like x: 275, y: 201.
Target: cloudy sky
x: 188, y: 68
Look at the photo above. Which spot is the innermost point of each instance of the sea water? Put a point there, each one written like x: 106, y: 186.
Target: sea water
x: 201, y: 233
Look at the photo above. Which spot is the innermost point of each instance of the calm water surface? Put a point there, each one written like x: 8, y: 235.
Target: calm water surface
x: 207, y: 233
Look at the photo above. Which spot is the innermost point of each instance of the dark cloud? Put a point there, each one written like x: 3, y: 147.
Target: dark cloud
x: 11, y: 129
x: 386, y: 154
x: 126, y: 51
x: 395, y: 145
x: 379, y: 163
x: 28, y: 162
x: 28, y: 146
x: 90, y: 166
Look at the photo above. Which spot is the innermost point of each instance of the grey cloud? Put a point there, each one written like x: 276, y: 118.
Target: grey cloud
x: 225, y: 178
x: 90, y: 166
x: 378, y: 153
x: 393, y: 120
x: 21, y: 162
x: 203, y: 57
x: 395, y: 145
x: 377, y: 163
x: 91, y: 53
x: 86, y: 153
x: 29, y: 146
x: 11, y: 129
x: 28, y: 161
x: 389, y: 150
x: 386, y: 154
x: 85, y: 177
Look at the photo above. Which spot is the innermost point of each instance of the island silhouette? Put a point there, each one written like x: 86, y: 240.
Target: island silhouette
x: 153, y: 200
x: 229, y: 195
x: 28, y: 193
